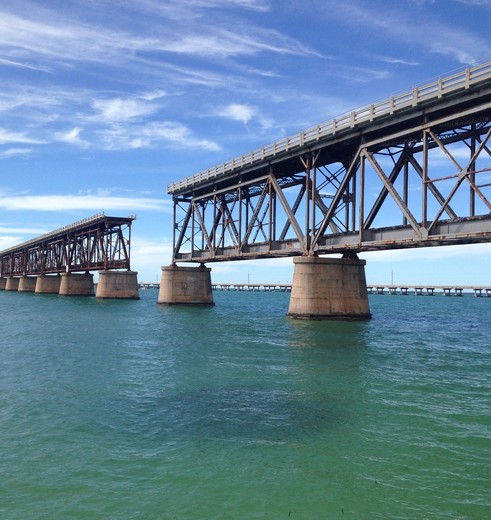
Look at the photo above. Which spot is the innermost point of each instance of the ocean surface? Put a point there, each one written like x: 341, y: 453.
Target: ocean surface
x: 130, y: 410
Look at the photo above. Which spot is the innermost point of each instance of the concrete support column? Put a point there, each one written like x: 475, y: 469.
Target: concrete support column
x: 12, y: 284
x: 27, y: 284
x: 75, y: 284
x: 118, y: 284
x: 48, y: 284
x: 329, y: 288
x: 186, y: 286
x: 3, y: 283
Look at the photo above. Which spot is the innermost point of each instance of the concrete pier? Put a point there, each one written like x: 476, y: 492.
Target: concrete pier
x: 27, y: 284
x: 185, y: 286
x: 75, y: 284
x: 48, y: 284
x: 3, y: 283
x: 118, y: 284
x: 12, y: 284
x: 329, y: 288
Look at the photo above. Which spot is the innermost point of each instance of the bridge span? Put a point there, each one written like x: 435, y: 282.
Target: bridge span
x: 412, y: 170
x: 61, y: 261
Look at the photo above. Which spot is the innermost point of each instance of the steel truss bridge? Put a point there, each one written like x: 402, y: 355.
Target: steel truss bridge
x: 94, y: 244
x: 411, y: 171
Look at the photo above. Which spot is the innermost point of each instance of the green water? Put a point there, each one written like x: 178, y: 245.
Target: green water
x: 130, y: 410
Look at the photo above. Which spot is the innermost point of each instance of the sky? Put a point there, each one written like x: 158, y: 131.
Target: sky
x: 104, y: 103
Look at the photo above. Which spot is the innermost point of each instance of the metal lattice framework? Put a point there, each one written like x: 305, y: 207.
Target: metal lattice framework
x: 412, y: 171
x: 94, y: 244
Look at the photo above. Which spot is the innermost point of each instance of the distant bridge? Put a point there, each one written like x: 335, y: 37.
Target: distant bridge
x: 392, y: 289
x: 99, y: 243
x: 93, y: 244
x: 411, y: 171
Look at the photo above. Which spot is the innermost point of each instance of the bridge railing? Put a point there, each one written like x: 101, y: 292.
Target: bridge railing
x: 419, y: 94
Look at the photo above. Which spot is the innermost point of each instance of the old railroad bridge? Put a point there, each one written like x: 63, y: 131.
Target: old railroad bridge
x: 413, y: 170
x: 60, y: 262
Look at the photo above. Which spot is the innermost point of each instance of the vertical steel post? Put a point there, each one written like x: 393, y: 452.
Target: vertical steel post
x: 405, y: 190
x: 174, y: 232
x: 361, y: 216
x: 352, y: 200
x: 424, y: 180
x: 314, y: 191
x: 472, y: 175
x: 307, y: 205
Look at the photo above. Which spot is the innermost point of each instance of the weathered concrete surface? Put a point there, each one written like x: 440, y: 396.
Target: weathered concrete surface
x: 185, y: 286
x: 27, y: 284
x: 12, y: 284
x: 3, y: 283
x: 329, y: 288
x: 76, y: 284
x: 118, y: 284
x: 48, y: 284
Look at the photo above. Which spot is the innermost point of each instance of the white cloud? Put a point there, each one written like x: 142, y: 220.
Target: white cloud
x: 22, y: 230
x: 430, y: 254
x: 80, y: 202
x: 12, y: 152
x: 148, y: 256
x: 72, y: 137
x: 118, y: 109
x: 399, y: 61
x: 226, y: 43
x: 121, y: 137
x: 7, y: 137
x: 238, y: 112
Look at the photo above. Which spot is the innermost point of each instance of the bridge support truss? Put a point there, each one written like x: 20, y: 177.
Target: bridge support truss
x: 98, y: 243
x: 414, y: 176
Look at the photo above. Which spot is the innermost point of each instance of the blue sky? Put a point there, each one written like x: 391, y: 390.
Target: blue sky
x: 104, y: 103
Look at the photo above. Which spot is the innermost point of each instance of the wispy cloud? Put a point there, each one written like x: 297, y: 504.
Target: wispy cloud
x: 148, y: 135
x: 7, y: 137
x: 431, y: 33
x: 72, y: 137
x: 119, y: 109
x: 80, y: 202
x: 398, y: 61
x: 12, y: 152
x: 433, y: 254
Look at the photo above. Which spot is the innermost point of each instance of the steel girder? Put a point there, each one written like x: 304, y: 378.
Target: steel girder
x: 424, y: 185
x: 97, y: 243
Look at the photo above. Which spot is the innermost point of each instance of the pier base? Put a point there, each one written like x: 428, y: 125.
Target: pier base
x: 3, y: 283
x: 185, y: 286
x: 329, y: 288
x: 48, y: 284
x: 118, y: 284
x: 75, y: 284
x: 12, y: 284
x: 27, y: 284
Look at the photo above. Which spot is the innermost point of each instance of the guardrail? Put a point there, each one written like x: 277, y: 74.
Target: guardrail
x: 459, y: 81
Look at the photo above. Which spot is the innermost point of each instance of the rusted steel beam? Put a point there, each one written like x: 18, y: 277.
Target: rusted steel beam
x: 93, y: 244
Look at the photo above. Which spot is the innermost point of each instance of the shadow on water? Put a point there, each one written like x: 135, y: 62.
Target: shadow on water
x: 243, y: 371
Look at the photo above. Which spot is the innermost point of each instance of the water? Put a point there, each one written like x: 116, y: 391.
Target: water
x: 130, y: 410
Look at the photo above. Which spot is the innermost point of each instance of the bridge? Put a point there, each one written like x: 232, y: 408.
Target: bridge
x: 412, y: 170
x: 61, y: 261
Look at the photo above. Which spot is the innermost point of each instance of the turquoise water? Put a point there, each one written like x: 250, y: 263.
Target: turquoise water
x: 130, y: 410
